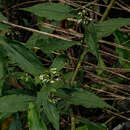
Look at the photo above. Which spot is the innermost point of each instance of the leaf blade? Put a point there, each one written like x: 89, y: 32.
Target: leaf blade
x: 24, y: 57
x: 91, y: 39
x: 53, y: 44
x: 14, y: 103
x: 34, y: 120
x: 88, y: 100
x: 58, y: 62
x: 121, y: 38
x: 16, y: 123
x: 91, y: 125
x: 49, y: 109
x: 107, y: 27
x: 51, y: 11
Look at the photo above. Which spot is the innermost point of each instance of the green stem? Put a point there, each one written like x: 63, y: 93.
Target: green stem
x: 109, y: 120
x: 78, y: 66
x: 72, y: 120
x: 107, y: 10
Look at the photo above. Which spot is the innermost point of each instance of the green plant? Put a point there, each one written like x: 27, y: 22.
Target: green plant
x: 44, y: 93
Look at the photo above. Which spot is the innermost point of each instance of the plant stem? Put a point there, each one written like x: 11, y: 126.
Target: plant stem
x: 78, y: 65
x: 72, y: 119
x: 109, y: 120
x: 35, y: 31
x: 107, y: 10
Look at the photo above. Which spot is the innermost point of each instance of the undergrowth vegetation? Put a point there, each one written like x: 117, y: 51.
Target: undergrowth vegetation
x: 64, y: 64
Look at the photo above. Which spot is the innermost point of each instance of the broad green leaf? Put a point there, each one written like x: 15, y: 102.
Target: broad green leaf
x: 57, y: 84
x: 52, y: 113
x: 16, y: 123
x: 31, y: 43
x: 24, y: 57
x: 91, y: 39
x: 14, y: 103
x: 123, y: 40
x: 68, y: 76
x: 3, y: 27
x: 3, y: 17
x: 42, y: 96
x: 59, y: 62
x: 107, y: 27
x: 85, y: 127
x: 100, y: 64
x: 1, y: 85
x: 87, y: 99
x: 51, y: 11
x: 53, y: 44
x: 48, y: 108
x: 4, y: 115
x: 63, y: 94
x: 34, y: 120
x: 91, y: 125
x: 3, y: 68
x: 32, y: 40
x: 19, y: 91
x: 3, y: 63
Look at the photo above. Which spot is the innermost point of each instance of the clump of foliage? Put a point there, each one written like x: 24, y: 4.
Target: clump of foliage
x: 53, y: 59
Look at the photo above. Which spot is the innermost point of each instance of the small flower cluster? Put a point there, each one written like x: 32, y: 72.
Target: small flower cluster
x: 50, y: 76
x: 83, y: 17
x: 25, y: 77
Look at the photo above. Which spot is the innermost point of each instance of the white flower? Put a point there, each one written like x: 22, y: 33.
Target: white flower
x: 52, y: 81
x: 79, y: 21
x: 41, y: 77
x: 90, y: 19
x: 44, y: 80
x: 36, y: 48
x: 53, y: 69
x: 57, y: 79
x: 79, y: 13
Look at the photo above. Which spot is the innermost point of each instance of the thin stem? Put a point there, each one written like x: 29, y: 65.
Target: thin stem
x: 72, y: 120
x: 34, y: 30
x: 109, y: 120
x: 107, y: 10
x: 78, y: 65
